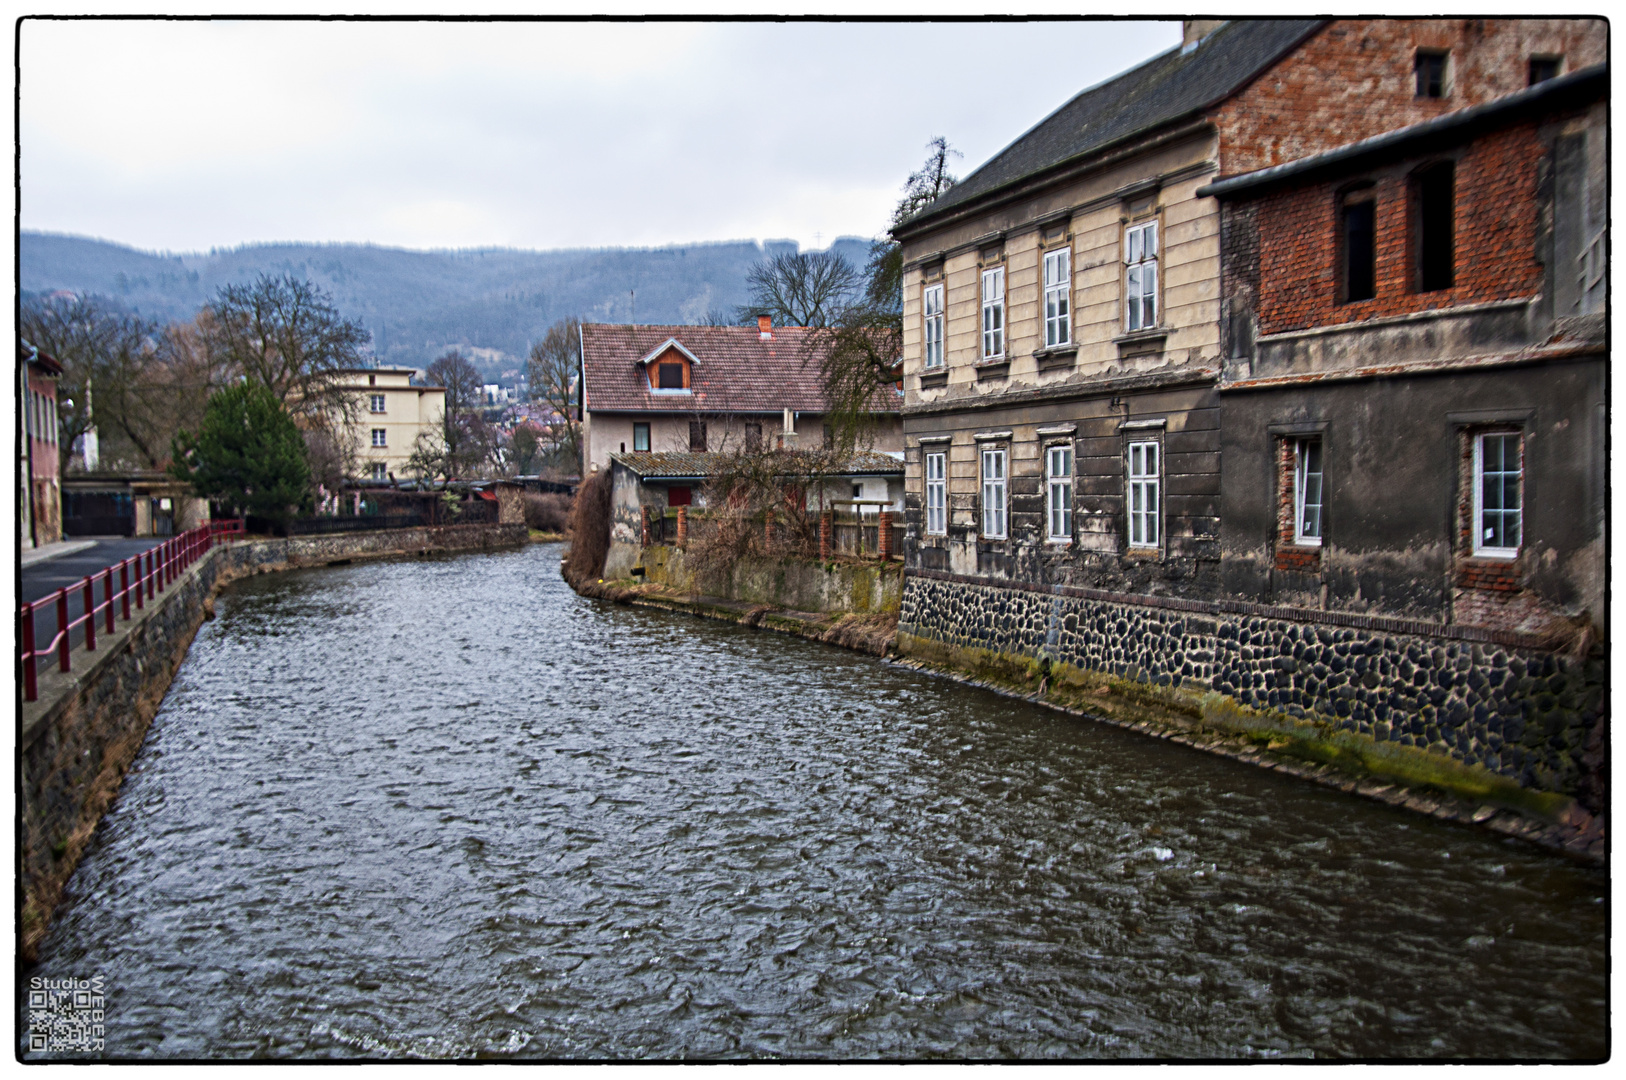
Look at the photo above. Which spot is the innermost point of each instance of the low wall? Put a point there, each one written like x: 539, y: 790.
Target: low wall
x: 1488, y: 714
x: 862, y: 588
x: 77, y: 741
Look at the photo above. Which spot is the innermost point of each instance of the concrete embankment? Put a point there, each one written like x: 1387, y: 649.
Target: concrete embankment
x: 77, y: 741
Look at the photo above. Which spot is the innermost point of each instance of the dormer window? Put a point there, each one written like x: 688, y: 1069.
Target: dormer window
x: 669, y: 376
x: 669, y: 368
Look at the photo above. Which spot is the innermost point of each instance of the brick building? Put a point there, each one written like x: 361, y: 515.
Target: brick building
x: 1412, y: 405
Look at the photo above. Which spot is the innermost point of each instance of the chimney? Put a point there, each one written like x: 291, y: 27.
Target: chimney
x: 765, y: 327
x: 1194, y: 30
x: 787, y: 438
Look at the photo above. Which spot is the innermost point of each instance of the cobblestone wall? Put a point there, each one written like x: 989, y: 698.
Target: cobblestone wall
x: 1522, y: 713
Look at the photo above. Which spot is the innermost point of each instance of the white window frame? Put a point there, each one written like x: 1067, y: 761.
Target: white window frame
x: 993, y: 313
x: 380, y: 471
x: 1141, y: 306
x: 377, y: 402
x: 1058, y: 458
x: 648, y: 438
x: 936, y: 469
x: 931, y: 303
x: 1303, y: 490
x: 1145, y: 485
x: 1058, y: 294
x: 381, y: 437
x: 1480, y: 546
x: 995, y: 486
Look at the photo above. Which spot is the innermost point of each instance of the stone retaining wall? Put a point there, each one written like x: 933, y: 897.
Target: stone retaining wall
x: 861, y: 588
x: 1521, y: 713
x: 77, y: 741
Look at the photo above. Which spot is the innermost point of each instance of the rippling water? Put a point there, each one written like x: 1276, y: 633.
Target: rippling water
x: 448, y: 808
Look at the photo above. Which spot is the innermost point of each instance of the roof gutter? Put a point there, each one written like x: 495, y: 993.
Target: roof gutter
x: 1550, y: 94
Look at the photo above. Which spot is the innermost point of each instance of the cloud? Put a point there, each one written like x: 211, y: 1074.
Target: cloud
x: 183, y: 136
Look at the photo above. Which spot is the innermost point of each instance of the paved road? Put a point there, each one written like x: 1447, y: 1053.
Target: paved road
x: 47, y: 577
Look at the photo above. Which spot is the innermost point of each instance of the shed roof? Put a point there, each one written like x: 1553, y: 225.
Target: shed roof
x: 1169, y: 87
x: 735, y: 370
x: 676, y: 465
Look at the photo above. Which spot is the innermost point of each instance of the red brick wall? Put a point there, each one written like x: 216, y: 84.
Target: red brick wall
x: 1495, y: 239
x: 1354, y: 79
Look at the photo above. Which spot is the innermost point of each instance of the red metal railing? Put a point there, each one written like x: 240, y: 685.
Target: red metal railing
x: 141, y: 577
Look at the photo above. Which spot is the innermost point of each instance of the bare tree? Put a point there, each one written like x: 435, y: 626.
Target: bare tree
x: 860, y: 352
x: 285, y: 334
x: 554, y: 372
x: 460, y: 446
x: 804, y: 289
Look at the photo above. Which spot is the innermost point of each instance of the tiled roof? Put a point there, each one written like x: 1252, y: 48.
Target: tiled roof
x: 1171, y: 85
x: 736, y: 372
x: 675, y: 465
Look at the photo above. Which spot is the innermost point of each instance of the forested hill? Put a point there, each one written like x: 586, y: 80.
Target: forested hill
x: 417, y: 304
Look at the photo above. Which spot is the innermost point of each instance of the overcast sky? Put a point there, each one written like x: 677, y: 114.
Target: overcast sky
x: 184, y: 136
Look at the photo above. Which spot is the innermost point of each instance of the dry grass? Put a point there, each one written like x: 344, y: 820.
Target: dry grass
x: 547, y: 512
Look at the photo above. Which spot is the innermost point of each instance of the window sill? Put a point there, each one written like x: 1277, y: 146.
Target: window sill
x: 1141, y: 342
x: 1056, y: 356
x: 1143, y: 553
x: 930, y: 380
x: 1502, y: 557
x: 993, y: 369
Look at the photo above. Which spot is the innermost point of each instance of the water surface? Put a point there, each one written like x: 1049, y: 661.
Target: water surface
x: 448, y: 808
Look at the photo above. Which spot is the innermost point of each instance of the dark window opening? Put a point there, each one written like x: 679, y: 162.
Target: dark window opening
x: 1359, y: 246
x: 671, y: 376
x: 753, y: 437
x: 1543, y: 68
x: 1430, y: 68
x: 697, y: 436
x: 679, y: 496
x: 640, y: 438
x: 1436, y: 241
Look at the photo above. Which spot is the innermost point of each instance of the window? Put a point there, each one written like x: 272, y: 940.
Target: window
x: 380, y: 471
x: 378, y: 402
x: 1498, y: 498
x: 640, y: 438
x: 1140, y: 276
x: 753, y: 436
x: 372, y: 380
x: 1307, y: 491
x: 1059, y: 469
x: 993, y: 313
x: 1357, y: 245
x: 1058, y: 288
x: 378, y: 437
x: 1143, y: 485
x: 993, y: 493
x: 669, y: 376
x: 933, y: 299
x: 697, y: 436
x: 936, y: 494
x: 1430, y: 68
x: 1434, y: 208
x: 1543, y: 68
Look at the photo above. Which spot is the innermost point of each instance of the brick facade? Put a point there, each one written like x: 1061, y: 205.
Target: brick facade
x: 1494, y: 227
x: 1354, y: 79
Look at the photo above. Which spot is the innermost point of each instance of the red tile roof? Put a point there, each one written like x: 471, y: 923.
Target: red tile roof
x: 736, y: 372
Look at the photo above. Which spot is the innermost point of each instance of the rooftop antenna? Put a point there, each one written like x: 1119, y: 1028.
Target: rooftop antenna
x: 634, y: 294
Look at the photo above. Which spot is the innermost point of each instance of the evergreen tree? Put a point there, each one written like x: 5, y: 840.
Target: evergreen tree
x: 248, y: 454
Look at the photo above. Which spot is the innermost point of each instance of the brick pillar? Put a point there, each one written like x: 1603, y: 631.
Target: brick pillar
x: 644, y: 535
x: 767, y: 529
x: 826, y: 531
x: 683, y: 526
x: 884, y: 535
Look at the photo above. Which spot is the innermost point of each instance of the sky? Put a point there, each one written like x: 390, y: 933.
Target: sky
x: 183, y: 136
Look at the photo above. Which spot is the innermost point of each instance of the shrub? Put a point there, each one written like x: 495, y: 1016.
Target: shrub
x: 547, y: 513
x: 588, y: 529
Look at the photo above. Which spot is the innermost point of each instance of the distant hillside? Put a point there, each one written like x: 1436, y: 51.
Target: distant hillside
x: 416, y: 304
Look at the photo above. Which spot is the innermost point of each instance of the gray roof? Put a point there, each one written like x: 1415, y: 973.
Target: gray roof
x: 1168, y: 87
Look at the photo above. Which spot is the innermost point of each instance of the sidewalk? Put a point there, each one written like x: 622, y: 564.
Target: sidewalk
x: 52, y: 551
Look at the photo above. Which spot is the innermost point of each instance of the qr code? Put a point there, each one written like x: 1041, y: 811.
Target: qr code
x: 65, y: 1015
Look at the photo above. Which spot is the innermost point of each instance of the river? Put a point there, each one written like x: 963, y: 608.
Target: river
x: 447, y: 808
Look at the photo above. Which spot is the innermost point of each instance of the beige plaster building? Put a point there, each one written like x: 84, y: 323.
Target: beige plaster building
x: 393, y: 412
